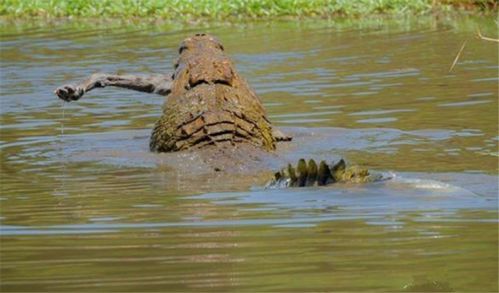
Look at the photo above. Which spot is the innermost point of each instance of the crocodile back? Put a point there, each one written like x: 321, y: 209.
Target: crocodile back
x: 210, y: 104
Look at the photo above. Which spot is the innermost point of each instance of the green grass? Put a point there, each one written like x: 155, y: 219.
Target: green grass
x: 222, y: 9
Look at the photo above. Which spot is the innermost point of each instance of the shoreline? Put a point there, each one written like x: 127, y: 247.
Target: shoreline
x: 469, y: 23
x: 234, y: 10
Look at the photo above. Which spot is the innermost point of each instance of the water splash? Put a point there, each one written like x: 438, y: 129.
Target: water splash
x: 434, y: 187
x: 60, y: 190
x: 62, y: 119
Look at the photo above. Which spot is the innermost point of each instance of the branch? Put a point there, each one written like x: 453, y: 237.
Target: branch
x: 457, y: 56
x: 479, y: 35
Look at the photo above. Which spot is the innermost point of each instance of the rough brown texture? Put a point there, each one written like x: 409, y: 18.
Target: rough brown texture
x: 209, y: 103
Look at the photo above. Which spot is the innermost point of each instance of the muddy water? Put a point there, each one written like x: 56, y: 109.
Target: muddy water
x: 85, y: 207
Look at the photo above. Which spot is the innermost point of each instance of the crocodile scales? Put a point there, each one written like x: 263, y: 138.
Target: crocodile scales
x: 209, y: 103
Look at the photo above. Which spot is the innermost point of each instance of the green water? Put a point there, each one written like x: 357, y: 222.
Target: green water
x: 85, y: 207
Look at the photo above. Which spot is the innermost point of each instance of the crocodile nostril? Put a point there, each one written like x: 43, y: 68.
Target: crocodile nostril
x: 181, y: 49
x: 202, y: 81
x: 197, y: 82
x: 222, y: 81
x: 200, y: 35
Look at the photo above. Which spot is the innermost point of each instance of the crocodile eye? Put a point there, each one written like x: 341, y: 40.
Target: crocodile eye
x: 221, y: 47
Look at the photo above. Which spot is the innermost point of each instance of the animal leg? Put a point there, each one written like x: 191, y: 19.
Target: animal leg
x: 158, y: 84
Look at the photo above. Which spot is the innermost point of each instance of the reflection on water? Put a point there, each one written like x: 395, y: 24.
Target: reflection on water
x: 85, y: 206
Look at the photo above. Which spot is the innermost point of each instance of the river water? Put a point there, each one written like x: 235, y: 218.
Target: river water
x: 85, y: 207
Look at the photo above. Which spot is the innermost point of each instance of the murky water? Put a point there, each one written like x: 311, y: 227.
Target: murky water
x: 85, y: 207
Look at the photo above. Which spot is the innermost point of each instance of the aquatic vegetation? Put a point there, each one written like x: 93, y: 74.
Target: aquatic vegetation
x: 222, y: 9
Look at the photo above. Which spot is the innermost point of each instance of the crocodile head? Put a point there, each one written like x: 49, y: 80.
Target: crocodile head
x: 202, y: 61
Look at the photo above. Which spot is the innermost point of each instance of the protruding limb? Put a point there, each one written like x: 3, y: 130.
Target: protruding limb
x: 158, y: 84
x: 280, y: 136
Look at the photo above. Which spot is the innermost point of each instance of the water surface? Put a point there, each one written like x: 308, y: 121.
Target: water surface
x: 85, y: 207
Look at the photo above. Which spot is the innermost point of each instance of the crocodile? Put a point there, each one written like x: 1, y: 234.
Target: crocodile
x: 210, y: 108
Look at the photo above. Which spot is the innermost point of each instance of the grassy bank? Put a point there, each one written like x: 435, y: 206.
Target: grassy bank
x: 221, y: 9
